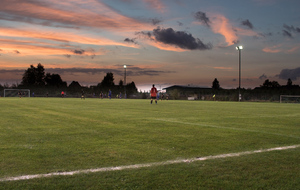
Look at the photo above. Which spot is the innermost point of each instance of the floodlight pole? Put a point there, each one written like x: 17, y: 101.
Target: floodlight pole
x: 125, y: 80
x: 239, y: 48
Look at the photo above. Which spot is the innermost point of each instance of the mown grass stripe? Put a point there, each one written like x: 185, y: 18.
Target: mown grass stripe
x: 231, y: 128
x: 137, y: 166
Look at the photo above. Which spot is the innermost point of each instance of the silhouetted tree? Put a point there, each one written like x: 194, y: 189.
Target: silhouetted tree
x: 275, y: 84
x: 215, y: 84
x: 270, y: 84
x: 54, y: 80
x: 289, y: 82
x: 29, y: 76
x: 131, y: 88
x: 75, y: 85
x: 40, y: 75
x: 120, y: 83
x: 108, y: 81
x: 34, y: 76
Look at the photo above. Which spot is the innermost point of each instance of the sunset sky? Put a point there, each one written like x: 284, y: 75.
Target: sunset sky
x: 165, y: 42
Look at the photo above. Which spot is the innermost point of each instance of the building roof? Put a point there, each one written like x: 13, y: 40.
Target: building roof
x: 185, y: 87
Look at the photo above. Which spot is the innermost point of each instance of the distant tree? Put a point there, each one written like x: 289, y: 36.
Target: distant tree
x: 215, y: 84
x: 75, y: 85
x: 267, y: 84
x: 275, y: 84
x: 54, y: 80
x: 108, y: 81
x: 34, y: 76
x: 131, y: 88
x: 120, y: 83
x: 29, y: 76
x: 40, y: 75
x: 270, y: 84
x: 289, y: 82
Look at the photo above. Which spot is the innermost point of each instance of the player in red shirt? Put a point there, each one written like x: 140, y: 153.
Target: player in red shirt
x: 153, y: 94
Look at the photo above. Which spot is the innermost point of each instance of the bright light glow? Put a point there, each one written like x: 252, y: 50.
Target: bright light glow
x: 239, y: 47
x: 125, y: 66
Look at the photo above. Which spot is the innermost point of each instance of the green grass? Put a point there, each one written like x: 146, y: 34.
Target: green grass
x: 44, y: 135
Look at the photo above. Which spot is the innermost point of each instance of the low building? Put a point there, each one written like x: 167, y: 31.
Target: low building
x: 184, y: 92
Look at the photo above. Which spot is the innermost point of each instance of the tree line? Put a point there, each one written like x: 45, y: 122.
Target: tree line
x: 268, y: 91
x: 41, y: 83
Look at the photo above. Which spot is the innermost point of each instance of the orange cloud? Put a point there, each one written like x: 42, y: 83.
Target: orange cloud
x: 221, y: 25
x: 25, y: 48
x: 70, y: 13
x: 61, y: 37
x: 294, y: 49
x: 166, y: 47
x: 8, y: 65
x: 273, y: 49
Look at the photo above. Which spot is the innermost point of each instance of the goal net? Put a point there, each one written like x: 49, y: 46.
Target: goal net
x: 16, y: 93
x: 289, y: 98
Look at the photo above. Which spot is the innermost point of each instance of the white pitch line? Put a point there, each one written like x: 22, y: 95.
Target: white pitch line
x: 137, y: 166
x: 221, y: 127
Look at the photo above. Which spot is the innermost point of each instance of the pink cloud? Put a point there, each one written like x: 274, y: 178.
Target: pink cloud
x: 273, y: 49
x: 166, y: 47
x: 69, y: 13
x: 60, y: 37
x: 280, y: 48
x: 221, y: 25
x: 293, y: 49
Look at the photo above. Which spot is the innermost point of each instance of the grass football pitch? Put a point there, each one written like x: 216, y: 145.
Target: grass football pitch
x: 69, y: 143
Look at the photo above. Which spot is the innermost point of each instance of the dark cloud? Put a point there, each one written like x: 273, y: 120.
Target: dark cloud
x: 93, y: 56
x: 180, y: 39
x: 201, y: 17
x: 67, y: 55
x: 262, y: 35
x: 155, y: 21
x: 262, y: 77
x: 13, y: 71
x: 247, y: 23
x: 142, y: 33
x: 287, y: 33
x: 17, y: 52
x: 290, y: 73
x: 78, y: 51
x: 290, y: 30
x: 179, y: 23
x: 89, y: 52
x: 130, y: 40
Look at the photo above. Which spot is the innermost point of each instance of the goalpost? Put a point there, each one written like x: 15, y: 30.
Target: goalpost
x: 289, y: 98
x: 16, y: 93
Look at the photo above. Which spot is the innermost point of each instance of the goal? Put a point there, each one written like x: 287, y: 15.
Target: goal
x: 16, y: 93
x: 289, y: 98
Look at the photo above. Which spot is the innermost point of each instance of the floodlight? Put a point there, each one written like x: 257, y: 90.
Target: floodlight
x: 239, y: 47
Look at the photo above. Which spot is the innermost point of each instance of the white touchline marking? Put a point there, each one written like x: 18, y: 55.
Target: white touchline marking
x: 137, y: 166
x: 221, y: 127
